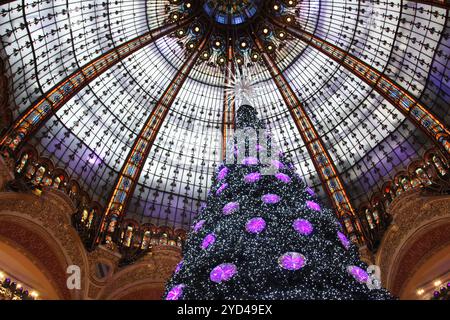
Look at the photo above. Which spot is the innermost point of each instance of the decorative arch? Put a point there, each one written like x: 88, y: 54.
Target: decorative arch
x: 418, y: 231
x: 144, y: 280
x: 39, y: 226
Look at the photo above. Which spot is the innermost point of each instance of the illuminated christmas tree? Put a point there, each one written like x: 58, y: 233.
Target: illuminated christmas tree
x: 265, y: 236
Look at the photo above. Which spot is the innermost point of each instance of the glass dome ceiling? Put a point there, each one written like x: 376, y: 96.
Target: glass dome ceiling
x: 369, y: 139
x: 231, y: 12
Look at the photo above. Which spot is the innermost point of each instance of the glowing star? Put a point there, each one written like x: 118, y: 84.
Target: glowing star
x: 221, y: 188
x: 302, y: 226
x: 223, y: 272
x: 292, y: 261
x: 252, y: 177
x: 345, y: 242
x: 250, y: 161
x: 270, y: 198
x: 222, y: 173
x: 198, y: 225
x: 359, y: 274
x: 255, y: 225
x: 283, y: 177
x: 312, y: 205
x: 230, y: 207
x: 277, y: 164
x: 208, y: 241
x: 175, y: 293
x: 242, y: 89
x: 179, y: 266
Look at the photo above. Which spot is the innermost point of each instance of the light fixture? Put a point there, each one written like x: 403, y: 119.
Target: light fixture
x: 420, y: 292
x: 437, y: 283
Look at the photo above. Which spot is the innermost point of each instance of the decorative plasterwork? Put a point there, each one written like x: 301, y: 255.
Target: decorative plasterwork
x: 416, y: 216
x: 152, y: 271
x: 40, y: 228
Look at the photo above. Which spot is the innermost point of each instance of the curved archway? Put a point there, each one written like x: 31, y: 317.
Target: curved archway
x: 25, y: 270
x: 37, y: 247
x: 416, y: 247
x: 39, y: 229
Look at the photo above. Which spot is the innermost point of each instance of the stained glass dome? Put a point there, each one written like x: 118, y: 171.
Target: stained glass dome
x: 166, y: 61
x: 229, y: 12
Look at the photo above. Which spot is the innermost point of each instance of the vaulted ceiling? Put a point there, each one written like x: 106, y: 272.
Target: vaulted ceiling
x: 90, y: 136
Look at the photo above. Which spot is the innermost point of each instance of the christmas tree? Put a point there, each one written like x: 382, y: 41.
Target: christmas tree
x: 263, y: 234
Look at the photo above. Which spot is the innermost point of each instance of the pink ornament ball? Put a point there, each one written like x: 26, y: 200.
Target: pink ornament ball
x: 175, y: 293
x: 222, y: 173
x: 252, y: 177
x: 358, y: 273
x: 198, y: 225
x: 208, y: 241
x: 303, y: 227
x: 344, y: 240
x: 312, y: 205
x: 223, y: 272
x: 221, y: 188
x: 310, y: 191
x: 179, y: 266
x: 255, y: 225
x: 283, y: 177
x: 270, y: 198
x: 292, y: 261
x: 230, y: 207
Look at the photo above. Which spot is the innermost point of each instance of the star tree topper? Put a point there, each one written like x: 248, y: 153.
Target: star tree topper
x: 243, y: 88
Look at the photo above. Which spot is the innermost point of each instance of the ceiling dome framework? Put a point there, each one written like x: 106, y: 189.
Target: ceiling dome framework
x: 89, y: 127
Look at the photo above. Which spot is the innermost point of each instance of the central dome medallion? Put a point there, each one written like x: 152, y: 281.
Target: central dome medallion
x: 238, y: 31
x: 228, y: 12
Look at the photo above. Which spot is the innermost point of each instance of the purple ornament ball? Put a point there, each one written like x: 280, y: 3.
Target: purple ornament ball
x: 230, y: 207
x: 344, y: 240
x: 208, y: 241
x: 283, y: 177
x: 175, y: 293
x: 270, y: 198
x: 252, y: 177
x: 302, y: 226
x: 223, y: 272
x: 179, y: 266
x: 312, y: 205
x: 221, y: 188
x: 255, y: 225
x: 310, y: 191
x: 358, y: 273
x: 292, y: 261
x: 198, y: 225
x: 222, y: 173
